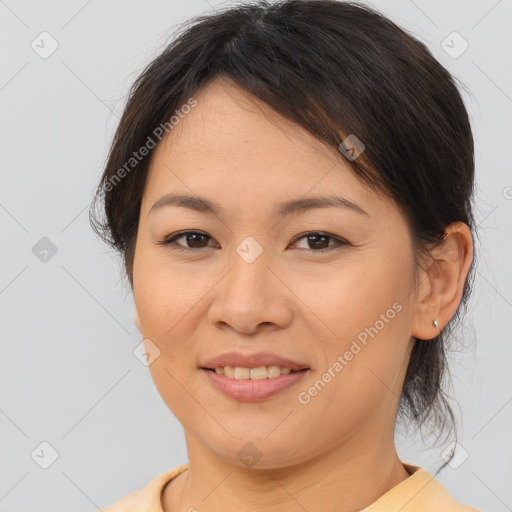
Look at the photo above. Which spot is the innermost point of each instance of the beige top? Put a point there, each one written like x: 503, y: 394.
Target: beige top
x: 421, y: 492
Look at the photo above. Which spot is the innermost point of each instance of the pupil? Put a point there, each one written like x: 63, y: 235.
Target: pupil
x: 311, y: 238
x: 192, y: 237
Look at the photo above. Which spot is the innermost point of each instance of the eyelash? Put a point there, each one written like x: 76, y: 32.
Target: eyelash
x: 171, y: 242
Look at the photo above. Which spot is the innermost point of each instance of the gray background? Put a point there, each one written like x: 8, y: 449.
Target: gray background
x: 68, y: 375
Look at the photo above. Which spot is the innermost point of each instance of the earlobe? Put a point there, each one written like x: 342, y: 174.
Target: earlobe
x: 446, y: 277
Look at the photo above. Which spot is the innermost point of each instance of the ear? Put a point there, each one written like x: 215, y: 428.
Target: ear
x: 441, y: 283
x: 137, y: 320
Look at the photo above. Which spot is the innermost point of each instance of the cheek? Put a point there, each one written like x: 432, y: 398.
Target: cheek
x: 175, y: 388
x: 353, y: 296
x: 168, y: 299
x: 365, y: 314
x: 164, y: 294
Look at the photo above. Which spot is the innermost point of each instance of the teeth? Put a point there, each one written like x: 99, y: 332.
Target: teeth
x: 260, y: 372
x: 241, y: 373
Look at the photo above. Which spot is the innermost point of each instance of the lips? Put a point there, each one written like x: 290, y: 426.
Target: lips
x: 248, y: 390
x: 252, y: 361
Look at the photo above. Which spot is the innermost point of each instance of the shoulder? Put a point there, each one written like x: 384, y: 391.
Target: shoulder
x: 147, y: 498
x: 435, y: 496
x: 421, y: 492
x: 125, y: 504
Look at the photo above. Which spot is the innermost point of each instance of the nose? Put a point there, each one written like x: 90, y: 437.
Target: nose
x: 251, y: 297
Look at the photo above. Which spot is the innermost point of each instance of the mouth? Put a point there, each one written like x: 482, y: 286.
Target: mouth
x: 252, y: 377
x: 253, y: 373
x: 244, y: 384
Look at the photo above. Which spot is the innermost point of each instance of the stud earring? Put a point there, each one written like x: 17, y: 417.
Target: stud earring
x: 437, y: 325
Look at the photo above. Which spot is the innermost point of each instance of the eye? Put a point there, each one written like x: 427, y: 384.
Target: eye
x: 318, y: 241
x: 195, y: 238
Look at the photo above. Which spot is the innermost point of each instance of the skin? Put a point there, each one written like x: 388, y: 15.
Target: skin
x: 308, y: 306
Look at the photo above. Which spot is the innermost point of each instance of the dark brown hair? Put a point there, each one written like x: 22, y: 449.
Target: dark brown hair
x: 335, y: 68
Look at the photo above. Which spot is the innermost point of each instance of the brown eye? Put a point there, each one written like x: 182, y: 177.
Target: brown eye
x: 193, y: 240
x: 196, y: 240
x: 319, y: 242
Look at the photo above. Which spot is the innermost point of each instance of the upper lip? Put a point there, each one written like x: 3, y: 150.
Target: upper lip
x: 252, y: 361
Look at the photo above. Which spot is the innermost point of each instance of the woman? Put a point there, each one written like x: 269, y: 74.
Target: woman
x: 290, y: 189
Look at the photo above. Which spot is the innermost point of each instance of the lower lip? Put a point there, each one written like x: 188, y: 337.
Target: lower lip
x: 248, y: 390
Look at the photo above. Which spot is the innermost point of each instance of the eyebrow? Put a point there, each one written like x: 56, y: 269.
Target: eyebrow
x: 285, y: 208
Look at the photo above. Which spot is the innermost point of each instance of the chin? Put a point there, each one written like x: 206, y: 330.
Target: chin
x: 260, y: 452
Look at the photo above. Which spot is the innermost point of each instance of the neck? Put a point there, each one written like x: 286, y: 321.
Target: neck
x: 344, y: 479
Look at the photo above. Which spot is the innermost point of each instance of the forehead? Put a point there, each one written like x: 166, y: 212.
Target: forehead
x: 230, y: 125
x: 234, y: 147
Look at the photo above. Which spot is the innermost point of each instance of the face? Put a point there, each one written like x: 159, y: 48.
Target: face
x: 329, y: 288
